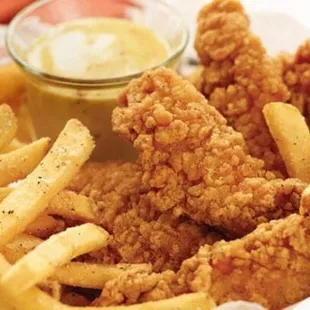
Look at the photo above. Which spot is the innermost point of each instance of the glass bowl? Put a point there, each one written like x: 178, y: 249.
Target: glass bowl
x: 52, y: 100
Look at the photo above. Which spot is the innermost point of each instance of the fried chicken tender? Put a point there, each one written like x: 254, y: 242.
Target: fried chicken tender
x: 269, y: 266
x: 238, y: 78
x: 193, y: 163
x: 139, y: 233
x: 296, y: 75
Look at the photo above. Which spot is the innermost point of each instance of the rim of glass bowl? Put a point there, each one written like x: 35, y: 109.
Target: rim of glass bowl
x: 54, y: 79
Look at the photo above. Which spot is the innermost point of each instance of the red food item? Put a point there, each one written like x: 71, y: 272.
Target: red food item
x: 9, y: 8
x: 58, y: 11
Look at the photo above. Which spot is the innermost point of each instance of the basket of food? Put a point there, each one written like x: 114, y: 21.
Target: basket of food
x: 127, y: 184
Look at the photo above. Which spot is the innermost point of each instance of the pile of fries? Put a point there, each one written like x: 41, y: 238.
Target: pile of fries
x: 36, y: 248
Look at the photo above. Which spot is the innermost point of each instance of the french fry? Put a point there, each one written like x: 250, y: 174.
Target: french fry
x: 29, y: 199
x: 19, y: 247
x: 290, y: 131
x: 12, y: 83
x: 44, y: 226
x: 8, y: 125
x: 19, y: 163
x: 88, y: 275
x: 94, y: 275
x: 39, y: 264
x: 34, y: 298
x: 68, y: 204
x: 14, y: 145
x: 4, y: 191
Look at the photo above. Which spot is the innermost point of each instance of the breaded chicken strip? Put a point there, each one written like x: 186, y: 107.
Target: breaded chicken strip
x: 139, y: 233
x: 269, y: 266
x: 239, y: 78
x: 296, y: 75
x: 193, y: 163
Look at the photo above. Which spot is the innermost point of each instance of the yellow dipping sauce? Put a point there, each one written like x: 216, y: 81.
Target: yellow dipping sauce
x: 97, y: 49
x: 89, y: 49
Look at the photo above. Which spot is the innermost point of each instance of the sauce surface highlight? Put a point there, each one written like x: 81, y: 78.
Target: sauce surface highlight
x: 97, y: 48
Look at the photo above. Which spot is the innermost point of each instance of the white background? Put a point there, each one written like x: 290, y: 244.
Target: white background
x: 281, y: 24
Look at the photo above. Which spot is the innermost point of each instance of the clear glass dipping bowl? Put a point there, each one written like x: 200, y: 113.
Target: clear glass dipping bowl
x: 52, y: 100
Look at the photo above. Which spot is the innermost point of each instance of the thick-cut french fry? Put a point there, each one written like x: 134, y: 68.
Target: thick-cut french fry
x: 44, y: 226
x: 4, y: 191
x: 19, y: 247
x: 19, y: 163
x: 94, y: 275
x: 39, y: 264
x: 14, y: 145
x: 68, y: 204
x: 290, y: 131
x: 72, y: 148
x: 8, y: 125
x: 31, y: 299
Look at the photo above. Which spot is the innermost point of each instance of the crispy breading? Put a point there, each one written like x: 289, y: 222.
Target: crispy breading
x: 269, y: 266
x: 296, y: 75
x: 139, y: 233
x: 137, y: 287
x: 239, y: 78
x: 193, y: 163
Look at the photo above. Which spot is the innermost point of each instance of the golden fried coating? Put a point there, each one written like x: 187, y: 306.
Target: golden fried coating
x: 139, y: 234
x: 239, y: 79
x: 269, y: 266
x: 114, y: 186
x: 192, y: 162
x: 138, y: 287
x: 296, y: 75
